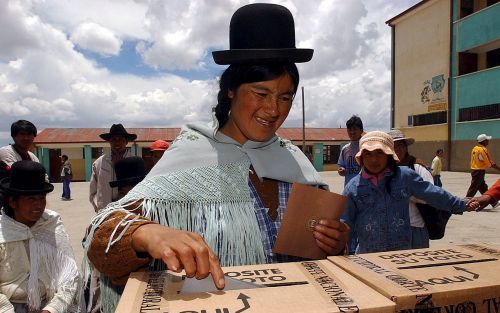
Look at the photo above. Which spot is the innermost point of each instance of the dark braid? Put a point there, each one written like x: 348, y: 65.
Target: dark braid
x: 223, y: 101
x: 8, y: 210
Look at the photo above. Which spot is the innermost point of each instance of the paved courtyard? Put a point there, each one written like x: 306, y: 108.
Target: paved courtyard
x: 467, y: 228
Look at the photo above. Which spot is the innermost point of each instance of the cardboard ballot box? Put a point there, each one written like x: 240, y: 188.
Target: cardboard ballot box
x: 449, y: 279
x: 311, y: 286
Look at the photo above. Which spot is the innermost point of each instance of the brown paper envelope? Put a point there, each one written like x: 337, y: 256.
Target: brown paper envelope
x: 306, y: 206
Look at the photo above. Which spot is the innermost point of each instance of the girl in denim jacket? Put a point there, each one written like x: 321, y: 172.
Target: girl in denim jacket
x: 378, y: 197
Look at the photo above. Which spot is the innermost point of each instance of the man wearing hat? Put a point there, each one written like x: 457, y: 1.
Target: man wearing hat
x: 38, y: 272
x: 479, y: 161
x: 419, y: 234
x: 100, y: 193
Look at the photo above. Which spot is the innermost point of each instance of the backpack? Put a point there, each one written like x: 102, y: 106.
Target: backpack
x: 435, y: 219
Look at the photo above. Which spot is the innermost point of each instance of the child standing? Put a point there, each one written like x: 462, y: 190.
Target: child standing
x: 378, y: 198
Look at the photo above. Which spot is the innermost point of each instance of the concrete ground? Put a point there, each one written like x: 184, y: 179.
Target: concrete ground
x: 467, y: 228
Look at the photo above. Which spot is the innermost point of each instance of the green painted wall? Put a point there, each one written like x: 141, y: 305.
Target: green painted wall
x: 87, y: 153
x: 453, y: 70
x: 318, y: 156
x: 474, y: 89
x: 479, y: 28
x: 43, y: 157
x: 470, y: 130
x: 479, y: 88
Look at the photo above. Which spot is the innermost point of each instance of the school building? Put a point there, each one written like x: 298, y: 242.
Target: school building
x: 83, y: 146
x: 446, y: 77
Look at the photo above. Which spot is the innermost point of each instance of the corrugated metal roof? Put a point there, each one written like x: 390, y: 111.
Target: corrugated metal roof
x: 89, y: 135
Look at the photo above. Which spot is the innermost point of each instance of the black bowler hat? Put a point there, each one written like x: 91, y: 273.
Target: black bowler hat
x: 26, y: 178
x: 129, y: 171
x: 262, y: 33
x: 118, y: 130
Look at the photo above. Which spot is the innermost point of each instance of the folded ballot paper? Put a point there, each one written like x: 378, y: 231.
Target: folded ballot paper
x: 306, y: 206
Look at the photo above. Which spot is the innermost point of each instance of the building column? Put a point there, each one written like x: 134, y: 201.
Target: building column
x: 134, y: 149
x: 87, y: 155
x: 318, y: 156
x: 43, y: 157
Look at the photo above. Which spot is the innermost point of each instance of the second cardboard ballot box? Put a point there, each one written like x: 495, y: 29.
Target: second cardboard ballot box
x: 461, y: 278
x: 310, y: 286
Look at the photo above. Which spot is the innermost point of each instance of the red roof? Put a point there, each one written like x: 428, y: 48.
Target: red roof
x: 314, y: 134
x: 89, y: 135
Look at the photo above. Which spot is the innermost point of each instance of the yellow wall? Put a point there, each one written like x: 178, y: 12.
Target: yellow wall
x: 330, y: 167
x: 427, y: 133
x: 78, y: 166
x: 422, y: 45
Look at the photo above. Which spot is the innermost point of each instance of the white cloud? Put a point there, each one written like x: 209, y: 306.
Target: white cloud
x: 45, y: 80
x: 16, y: 30
x: 181, y: 31
x: 96, y: 38
x: 123, y: 17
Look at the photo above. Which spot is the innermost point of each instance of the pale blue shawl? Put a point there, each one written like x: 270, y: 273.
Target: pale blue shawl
x: 201, y: 185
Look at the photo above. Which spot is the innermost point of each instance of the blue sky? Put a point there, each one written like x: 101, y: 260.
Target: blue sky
x: 128, y: 61
x: 91, y: 63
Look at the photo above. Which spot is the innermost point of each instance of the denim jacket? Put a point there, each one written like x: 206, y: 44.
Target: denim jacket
x: 381, y: 219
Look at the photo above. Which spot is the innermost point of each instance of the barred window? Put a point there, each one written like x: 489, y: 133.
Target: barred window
x: 483, y: 112
x: 331, y: 154
x: 430, y: 118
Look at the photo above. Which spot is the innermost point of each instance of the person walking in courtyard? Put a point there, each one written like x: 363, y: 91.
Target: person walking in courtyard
x: 491, y: 196
x: 479, y: 161
x: 436, y: 167
x: 66, y: 176
x: 100, y: 193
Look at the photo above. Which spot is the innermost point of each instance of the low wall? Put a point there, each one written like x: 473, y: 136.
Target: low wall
x: 460, y: 153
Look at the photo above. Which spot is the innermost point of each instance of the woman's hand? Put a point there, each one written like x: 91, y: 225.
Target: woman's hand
x: 179, y: 250
x: 331, y: 235
x: 479, y: 203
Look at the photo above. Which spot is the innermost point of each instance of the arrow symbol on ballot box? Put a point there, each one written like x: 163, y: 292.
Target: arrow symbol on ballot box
x: 244, y: 298
x: 474, y: 275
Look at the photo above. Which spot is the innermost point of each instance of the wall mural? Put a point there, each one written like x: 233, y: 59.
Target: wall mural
x: 432, y: 95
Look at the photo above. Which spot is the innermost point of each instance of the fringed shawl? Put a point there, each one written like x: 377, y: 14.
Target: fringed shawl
x: 201, y: 185
x: 49, y: 247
